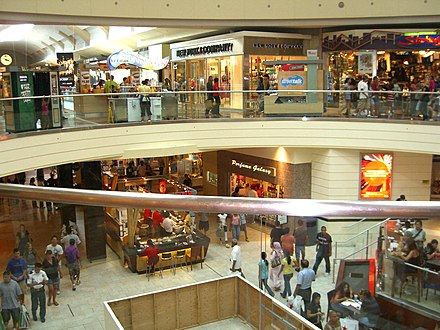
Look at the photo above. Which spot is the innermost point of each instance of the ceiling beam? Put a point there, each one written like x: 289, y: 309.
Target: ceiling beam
x: 59, y: 43
x: 83, y: 34
x: 70, y: 39
x: 52, y: 48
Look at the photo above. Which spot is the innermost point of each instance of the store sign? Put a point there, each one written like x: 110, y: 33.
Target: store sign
x: 419, y: 41
x: 270, y: 171
x: 131, y: 58
x: 375, y: 180
x: 294, y: 81
x: 203, y: 50
x: 277, y: 46
x: 273, y: 46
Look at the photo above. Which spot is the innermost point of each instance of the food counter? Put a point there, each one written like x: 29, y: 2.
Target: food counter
x: 125, y: 109
x: 91, y: 106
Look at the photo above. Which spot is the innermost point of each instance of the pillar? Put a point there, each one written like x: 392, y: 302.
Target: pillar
x: 65, y: 180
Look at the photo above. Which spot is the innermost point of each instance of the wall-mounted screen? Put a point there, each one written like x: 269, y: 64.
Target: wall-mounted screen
x: 375, y: 179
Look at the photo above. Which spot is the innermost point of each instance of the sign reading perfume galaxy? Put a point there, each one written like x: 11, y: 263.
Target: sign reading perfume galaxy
x: 271, y: 171
x: 419, y: 41
x: 132, y: 58
x: 375, y: 180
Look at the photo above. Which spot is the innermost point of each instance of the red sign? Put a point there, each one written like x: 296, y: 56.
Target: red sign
x: 292, y: 67
x: 376, y: 176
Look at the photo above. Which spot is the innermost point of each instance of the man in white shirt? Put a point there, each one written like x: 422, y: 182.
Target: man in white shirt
x: 36, y: 281
x: 236, y: 258
x: 363, y: 95
x: 66, y: 239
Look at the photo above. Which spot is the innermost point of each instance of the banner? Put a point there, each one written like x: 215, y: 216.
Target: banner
x: 131, y: 58
x: 375, y: 180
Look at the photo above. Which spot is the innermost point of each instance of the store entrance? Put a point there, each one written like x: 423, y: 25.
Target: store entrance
x: 195, y: 74
x: 220, y: 68
x: 264, y: 189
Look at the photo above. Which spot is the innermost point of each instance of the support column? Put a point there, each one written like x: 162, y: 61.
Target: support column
x: 93, y: 215
x: 65, y: 180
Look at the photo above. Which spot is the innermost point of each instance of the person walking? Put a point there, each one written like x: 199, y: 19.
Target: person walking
x: 18, y: 269
x: 23, y: 238
x: 73, y: 263
x: 304, y: 281
x: 31, y: 257
x: 235, y: 226
x: 243, y: 226
x: 144, y: 100
x: 287, y: 265
x: 209, y: 102
x: 236, y: 258
x: 323, y: 250
x: 363, y: 106
x: 51, y: 268
x: 51, y: 183
x: 216, y: 96
x: 301, y: 239
x: 346, y: 110
x: 12, y: 298
x: 32, y: 183
x: 275, y: 265
x: 204, y: 222
x: 36, y: 281
x: 288, y: 242
x: 263, y: 274
x: 277, y: 232
x: 69, y: 236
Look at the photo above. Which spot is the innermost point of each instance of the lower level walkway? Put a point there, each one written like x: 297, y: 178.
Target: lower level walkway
x: 108, y: 279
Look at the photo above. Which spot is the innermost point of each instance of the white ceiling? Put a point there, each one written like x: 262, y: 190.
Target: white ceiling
x: 42, y: 42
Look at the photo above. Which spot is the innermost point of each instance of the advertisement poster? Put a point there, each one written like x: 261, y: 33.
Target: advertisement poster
x: 292, y: 80
x: 67, y: 69
x: 376, y: 170
x: 367, y: 63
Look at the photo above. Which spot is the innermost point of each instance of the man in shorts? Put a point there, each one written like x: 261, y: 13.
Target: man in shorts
x: 12, y: 297
x: 204, y: 222
x: 18, y: 268
x: 72, y: 259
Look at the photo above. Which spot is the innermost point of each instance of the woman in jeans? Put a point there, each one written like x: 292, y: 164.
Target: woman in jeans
x: 263, y: 273
x: 287, y: 266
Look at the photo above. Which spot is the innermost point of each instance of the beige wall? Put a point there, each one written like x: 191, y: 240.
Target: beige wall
x: 335, y: 175
x: 229, y: 12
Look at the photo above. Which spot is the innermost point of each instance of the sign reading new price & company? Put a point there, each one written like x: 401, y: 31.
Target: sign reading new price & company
x: 270, y: 171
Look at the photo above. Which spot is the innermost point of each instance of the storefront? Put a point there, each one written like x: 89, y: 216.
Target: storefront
x: 395, y: 57
x: 237, y: 59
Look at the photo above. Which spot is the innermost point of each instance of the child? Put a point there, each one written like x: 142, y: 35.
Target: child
x: 222, y: 225
x: 263, y: 273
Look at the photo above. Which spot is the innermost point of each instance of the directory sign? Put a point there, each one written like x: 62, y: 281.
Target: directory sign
x: 375, y: 178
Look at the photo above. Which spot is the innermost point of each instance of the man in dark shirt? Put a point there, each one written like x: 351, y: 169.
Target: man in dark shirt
x: 18, y: 268
x: 323, y: 250
x: 370, y: 309
x: 277, y: 232
x: 301, y: 239
x: 51, y: 182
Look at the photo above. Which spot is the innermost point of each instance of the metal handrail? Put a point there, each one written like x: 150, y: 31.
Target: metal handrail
x: 356, y: 223
x: 427, y: 270
x: 364, y: 231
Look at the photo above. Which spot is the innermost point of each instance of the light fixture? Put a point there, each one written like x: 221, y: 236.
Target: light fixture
x: 380, y: 52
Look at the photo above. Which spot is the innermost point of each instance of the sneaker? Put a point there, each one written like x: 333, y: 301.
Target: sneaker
x: 34, y: 318
x: 58, y: 292
x: 78, y: 282
x: 43, y: 320
x: 73, y: 287
x: 227, y: 245
x: 283, y: 295
x: 327, y: 274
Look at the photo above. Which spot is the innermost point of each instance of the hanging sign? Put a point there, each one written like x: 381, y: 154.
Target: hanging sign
x: 419, y: 41
x: 126, y: 58
x: 292, y: 67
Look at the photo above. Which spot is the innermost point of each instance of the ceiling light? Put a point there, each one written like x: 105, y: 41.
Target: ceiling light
x: 15, y: 32
x: 380, y: 52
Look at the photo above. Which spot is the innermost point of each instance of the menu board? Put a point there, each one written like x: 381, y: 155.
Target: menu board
x: 375, y: 178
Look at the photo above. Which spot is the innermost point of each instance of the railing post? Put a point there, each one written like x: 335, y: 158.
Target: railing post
x: 367, y: 249
x: 334, y: 260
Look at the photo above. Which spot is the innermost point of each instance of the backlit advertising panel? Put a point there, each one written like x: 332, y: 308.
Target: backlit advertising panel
x: 375, y: 179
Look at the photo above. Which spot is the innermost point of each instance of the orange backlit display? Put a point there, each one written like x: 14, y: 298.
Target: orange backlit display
x: 376, y: 176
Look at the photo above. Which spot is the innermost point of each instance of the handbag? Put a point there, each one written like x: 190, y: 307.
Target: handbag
x: 25, y: 319
x: 209, y: 104
x: 275, y: 262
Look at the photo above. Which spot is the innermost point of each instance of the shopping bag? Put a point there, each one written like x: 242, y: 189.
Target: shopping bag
x: 2, y: 325
x: 38, y: 124
x: 25, y: 318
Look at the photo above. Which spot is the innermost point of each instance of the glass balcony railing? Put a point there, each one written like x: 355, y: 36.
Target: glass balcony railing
x: 21, y: 114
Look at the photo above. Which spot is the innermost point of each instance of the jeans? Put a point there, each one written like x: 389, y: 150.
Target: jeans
x: 268, y: 289
x: 38, y: 297
x: 287, y: 289
x: 236, y: 232
x: 300, y: 250
x: 318, y: 262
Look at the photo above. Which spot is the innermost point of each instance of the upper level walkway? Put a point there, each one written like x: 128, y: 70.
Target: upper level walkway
x: 179, y: 126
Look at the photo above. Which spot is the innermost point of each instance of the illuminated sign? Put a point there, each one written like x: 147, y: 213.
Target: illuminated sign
x: 271, y: 171
x: 209, y: 49
x: 419, y: 41
x: 126, y: 58
x: 277, y: 46
x: 375, y: 181
x: 292, y: 67
x: 296, y: 80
